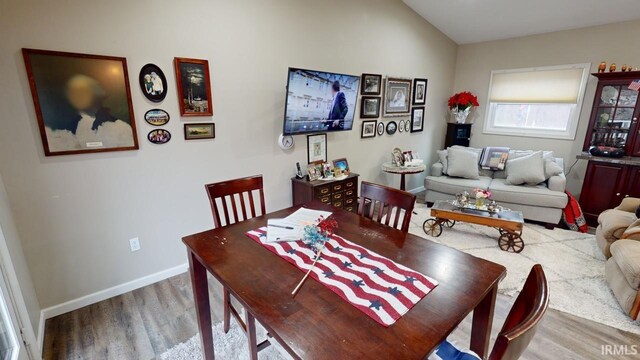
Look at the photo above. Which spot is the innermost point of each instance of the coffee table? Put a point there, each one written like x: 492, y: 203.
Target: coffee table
x: 508, y: 222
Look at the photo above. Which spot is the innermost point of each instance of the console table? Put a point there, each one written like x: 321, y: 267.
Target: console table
x: 341, y: 193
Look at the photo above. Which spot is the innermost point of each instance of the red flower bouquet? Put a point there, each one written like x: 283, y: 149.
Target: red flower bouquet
x: 463, y: 100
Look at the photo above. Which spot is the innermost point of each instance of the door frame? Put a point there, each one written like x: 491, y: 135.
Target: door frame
x: 15, y: 304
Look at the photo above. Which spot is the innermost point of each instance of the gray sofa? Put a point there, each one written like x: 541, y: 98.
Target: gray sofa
x: 543, y: 202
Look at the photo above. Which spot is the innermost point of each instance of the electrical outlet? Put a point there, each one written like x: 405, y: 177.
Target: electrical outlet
x: 134, y: 244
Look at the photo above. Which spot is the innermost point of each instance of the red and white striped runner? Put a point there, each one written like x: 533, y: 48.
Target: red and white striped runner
x: 379, y: 287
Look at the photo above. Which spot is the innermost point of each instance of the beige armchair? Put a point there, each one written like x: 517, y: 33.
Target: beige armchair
x: 618, y: 223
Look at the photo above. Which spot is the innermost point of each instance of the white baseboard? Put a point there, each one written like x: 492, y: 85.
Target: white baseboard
x: 98, y: 296
x: 417, y: 190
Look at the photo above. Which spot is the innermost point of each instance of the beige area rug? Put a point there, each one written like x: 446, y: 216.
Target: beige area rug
x: 572, y: 261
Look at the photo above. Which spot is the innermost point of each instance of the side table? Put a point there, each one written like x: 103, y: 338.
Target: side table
x: 403, y: 170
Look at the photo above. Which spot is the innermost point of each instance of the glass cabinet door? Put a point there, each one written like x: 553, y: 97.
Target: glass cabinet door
x: 614, y: 115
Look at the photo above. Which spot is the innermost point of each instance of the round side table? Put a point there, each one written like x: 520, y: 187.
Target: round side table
x: 403, y: 170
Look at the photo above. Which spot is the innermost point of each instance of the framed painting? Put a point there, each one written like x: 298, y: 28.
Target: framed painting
x: 194, y: 87
x: 417, y: 119
x: 368, y: 129
x: 419, y: 91
x: 370, y: 107
x: 397, y: 95
x: 316, y: 148
x: 199, y: 131
x: 82, y: 102
x: 153, y: 83
x: 371, y: 84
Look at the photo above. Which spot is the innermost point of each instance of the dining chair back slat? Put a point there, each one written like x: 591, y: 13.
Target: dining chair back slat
x: 387, y: 200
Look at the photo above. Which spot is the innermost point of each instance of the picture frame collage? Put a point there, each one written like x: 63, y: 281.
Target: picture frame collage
x: 401, y: 97
x: 68, y: 93
x: 318, y: 166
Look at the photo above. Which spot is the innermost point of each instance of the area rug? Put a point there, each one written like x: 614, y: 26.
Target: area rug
x: 572, y: 261
x: 229, y: 346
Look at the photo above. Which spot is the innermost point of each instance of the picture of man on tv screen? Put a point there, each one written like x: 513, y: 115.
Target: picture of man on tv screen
x: 339, y: 108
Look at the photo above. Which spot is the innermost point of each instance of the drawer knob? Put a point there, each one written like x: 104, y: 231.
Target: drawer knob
x: 626, y: 196
x: 618, y: 194
x: 324, y: 191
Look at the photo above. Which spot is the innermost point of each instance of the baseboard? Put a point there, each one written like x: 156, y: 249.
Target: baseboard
x: 98, y: 296
x: 417, y: 190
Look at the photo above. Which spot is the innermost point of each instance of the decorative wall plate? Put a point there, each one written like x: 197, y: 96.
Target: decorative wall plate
x: 392, y: 127
x: 156, y: 117
x: 159, y: 136
x: 401, y: 125
x: 407, y: 125
x: 380, y: 128
x: 153, y: 83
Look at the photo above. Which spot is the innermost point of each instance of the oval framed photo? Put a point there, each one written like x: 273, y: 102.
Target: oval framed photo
x: 159, y: 136
x: 380, y: 128
x: 407, y: 126
x: 401, y: 125
x: 156, y: 117
x: 392, y: 127
x: 153, y: 83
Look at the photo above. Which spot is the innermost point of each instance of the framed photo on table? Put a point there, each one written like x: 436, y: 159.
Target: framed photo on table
x: 194, y: 87
x: 316, y: 148
x: 419, y: 91
x: 371, y: 84
x: 417, y: 119
x: 370, y: 107
x: 341, y: 164
x: 368, y: 129
x: 397, y: 96
x: 82, y: 102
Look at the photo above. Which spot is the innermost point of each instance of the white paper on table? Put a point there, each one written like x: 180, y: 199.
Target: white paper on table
x: 291, y: 228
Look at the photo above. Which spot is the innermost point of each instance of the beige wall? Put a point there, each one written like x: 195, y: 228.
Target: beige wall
x: 76, y: 213
x: 611, y: 43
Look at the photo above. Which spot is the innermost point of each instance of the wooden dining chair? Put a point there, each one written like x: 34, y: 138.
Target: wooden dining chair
x: 380, y: 200
x: 519, y: 327
x: 237, y: 194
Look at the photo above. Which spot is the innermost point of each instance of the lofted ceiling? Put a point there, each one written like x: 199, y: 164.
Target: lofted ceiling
x: 471, y: 21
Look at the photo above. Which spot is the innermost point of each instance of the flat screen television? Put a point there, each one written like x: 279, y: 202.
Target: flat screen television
x: 319, y: 101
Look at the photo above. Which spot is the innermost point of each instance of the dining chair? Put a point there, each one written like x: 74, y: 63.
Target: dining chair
x: 519, y: 327
x: 232, y: 193
x: 380, y: 200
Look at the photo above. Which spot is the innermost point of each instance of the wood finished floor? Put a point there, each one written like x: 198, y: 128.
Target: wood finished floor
x: 144, y: 323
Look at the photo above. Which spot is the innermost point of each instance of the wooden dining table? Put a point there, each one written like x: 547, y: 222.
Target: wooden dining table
x: 317, y: 323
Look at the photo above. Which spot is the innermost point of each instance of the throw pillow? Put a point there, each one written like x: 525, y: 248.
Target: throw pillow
x: 551, y: 168
x: 462, y: 163
x: 442, y: 155
x: 526, y: 170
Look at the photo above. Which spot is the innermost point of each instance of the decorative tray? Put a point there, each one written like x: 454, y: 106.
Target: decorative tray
x: 472, y: 206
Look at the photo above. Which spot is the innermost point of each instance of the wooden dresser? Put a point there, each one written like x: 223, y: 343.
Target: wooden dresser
x: 339, y: 193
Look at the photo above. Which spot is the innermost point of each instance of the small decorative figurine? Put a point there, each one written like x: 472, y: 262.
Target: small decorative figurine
x: 602, y: 67
x: 612, y: 68
x: 492, y: 206
x: 623, y: 68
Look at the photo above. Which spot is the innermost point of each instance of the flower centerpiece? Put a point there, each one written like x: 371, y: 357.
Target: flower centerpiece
x: 481, y: 196
x: 461, y: 105
x: 316, y: 236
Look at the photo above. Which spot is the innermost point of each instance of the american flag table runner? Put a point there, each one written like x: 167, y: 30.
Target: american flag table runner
x: 379, y: 287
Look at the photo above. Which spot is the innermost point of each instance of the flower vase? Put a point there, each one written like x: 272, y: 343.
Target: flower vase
x: 479, y: 203
x: 460, y: 115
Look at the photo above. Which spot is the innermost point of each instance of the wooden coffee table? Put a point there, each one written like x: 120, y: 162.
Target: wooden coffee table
x: 508, y: 222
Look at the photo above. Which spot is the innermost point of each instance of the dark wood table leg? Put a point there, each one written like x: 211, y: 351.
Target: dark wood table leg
x: 402, y: 182
x: 251, y: 335
x: 200, y: 286
x: 482, y: 321
x: 226, y: 300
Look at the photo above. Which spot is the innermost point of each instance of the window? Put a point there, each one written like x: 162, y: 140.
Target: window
x: 538, y: 102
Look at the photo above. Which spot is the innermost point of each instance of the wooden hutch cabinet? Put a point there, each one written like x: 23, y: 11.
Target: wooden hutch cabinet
x: 614, y: 123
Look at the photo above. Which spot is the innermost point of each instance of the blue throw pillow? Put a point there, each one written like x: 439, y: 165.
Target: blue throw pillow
x: 450, y: 351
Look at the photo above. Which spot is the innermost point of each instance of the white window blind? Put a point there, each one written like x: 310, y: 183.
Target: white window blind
x: 538, y: 102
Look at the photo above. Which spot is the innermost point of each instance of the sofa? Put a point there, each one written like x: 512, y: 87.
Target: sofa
x: 542, y: 202
x: 622, y: 272
x: 618, y: 223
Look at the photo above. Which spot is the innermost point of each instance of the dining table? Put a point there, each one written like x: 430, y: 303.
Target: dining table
x: 316, y: 323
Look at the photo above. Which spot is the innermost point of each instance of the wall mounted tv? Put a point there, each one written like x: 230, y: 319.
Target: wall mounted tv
x: 319, y: 101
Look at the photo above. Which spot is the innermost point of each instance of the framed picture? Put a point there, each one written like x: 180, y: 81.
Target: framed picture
x: 159, y: 136
x: 407, y: 125
x: 82, y: 102
x: 156, y: 117
x: 371, y: 84
x: 419, y: 91
x: 370, y: 107
x: 341, y: 164
x: 417, y: 119
x: 153, y: 83
x: 368, y: 129
x: 392, y: 127
x: 194, y: 88
x: 316, y: 148
x: 397, y: 94
x: 380, y: 128
x: 401, y: 125
x: 199, y: 131
x: 314, y: 170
